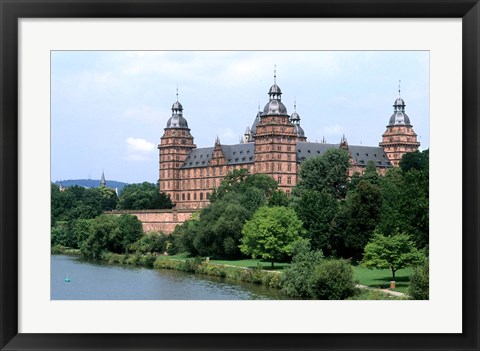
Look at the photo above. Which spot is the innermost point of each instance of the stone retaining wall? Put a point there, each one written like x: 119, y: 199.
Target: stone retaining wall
x: 159, y: 220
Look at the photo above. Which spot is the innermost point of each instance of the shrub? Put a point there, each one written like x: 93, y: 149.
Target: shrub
x: 276, y: 280
x: 297, y: 278
x: 58, y: 249
x: 419, y: 282
x: 332, y: 280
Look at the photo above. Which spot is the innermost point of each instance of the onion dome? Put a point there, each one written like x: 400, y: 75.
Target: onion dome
x: 295, y: 120
x: 399, y: 116
x: 177, y: 120
x: 295, y: 117
x: 275, y: 106
x: 275, y: 89
x: 177, y: 106
x: 399, y: 102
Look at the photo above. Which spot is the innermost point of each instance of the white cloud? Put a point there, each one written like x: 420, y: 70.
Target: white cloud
x: 139, y: 145
x: 139, y: 149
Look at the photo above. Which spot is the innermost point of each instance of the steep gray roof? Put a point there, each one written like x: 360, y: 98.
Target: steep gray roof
x: 360, y: 154
x: 198, y: 157
x: 234, y: 154
x: 239, y: 153
x: 363, y: 154
x: 245, y: 153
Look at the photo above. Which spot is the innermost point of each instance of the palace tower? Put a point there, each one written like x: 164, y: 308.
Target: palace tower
x: 399, y: 138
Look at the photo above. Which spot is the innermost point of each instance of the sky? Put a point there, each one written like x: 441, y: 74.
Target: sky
x: 109, y: 108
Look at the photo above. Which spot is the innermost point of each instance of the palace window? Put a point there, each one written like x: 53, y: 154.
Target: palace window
x: 183, y: 197
x: 194, y: 196
x: 289, y: 180
x: 188, y: 196
x: 289, y: 167
x: 279, y: 179
x: 279, y: 167
x: 201, y: 196
x: 177, y: 197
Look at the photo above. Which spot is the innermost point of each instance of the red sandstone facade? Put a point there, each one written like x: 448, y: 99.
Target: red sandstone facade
x: 275, y: 145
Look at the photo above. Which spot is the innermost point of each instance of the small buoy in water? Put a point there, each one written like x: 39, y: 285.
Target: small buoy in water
x: 67, y: 279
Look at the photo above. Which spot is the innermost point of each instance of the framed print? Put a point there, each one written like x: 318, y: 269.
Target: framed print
x: 41, y: 39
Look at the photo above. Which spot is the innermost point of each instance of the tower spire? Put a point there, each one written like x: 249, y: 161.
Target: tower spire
x: 177, y: 92
x: 103, y: 183
x: 399, y: 82
x: 275, y: 74
x: 295, y: 104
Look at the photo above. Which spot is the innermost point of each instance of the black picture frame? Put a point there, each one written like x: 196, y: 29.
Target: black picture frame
x: 12, y: 10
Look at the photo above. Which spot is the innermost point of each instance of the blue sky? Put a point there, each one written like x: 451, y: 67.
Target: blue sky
x: 109, y: 108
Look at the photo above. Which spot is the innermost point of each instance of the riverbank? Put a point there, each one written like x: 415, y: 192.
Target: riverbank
x: 235, y: 274
x: 270, y: 279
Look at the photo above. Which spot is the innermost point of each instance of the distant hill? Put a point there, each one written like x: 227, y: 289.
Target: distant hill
x: 91, y: 183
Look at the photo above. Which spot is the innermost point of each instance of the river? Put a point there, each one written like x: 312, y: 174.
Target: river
x: 98, y: 281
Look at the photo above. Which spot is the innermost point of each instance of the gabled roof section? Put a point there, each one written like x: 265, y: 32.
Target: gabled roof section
x: 308, y: 150
x: 239, y: 153
x: 234, y: 154
x: 198, y: 157
x: 360, y: 154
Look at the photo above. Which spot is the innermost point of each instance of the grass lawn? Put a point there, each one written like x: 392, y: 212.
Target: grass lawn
x: 247, y: 263
x: 251, y: 263
x: 380, y: 278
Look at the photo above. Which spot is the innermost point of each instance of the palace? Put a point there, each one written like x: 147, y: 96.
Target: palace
x: 275, y: 145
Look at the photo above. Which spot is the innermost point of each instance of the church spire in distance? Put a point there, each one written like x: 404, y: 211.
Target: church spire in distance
x: 103, y: 182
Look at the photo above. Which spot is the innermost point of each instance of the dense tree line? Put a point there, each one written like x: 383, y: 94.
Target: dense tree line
x: 144, y: 196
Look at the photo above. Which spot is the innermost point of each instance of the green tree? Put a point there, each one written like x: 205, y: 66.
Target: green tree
x: 152, y: 242
x: 143, y: 196
x: 278, y: 198
x: 220, y: 226
x: 391, y: 252
x: 356, y: 220
x: 101, y: 228
x: 405, y: 206
x: 107, y: 233
x: 415, y: 160
x: 326, y: 173
x: 316, y: 210
x: 239, y: 180
x: 270, y: 233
